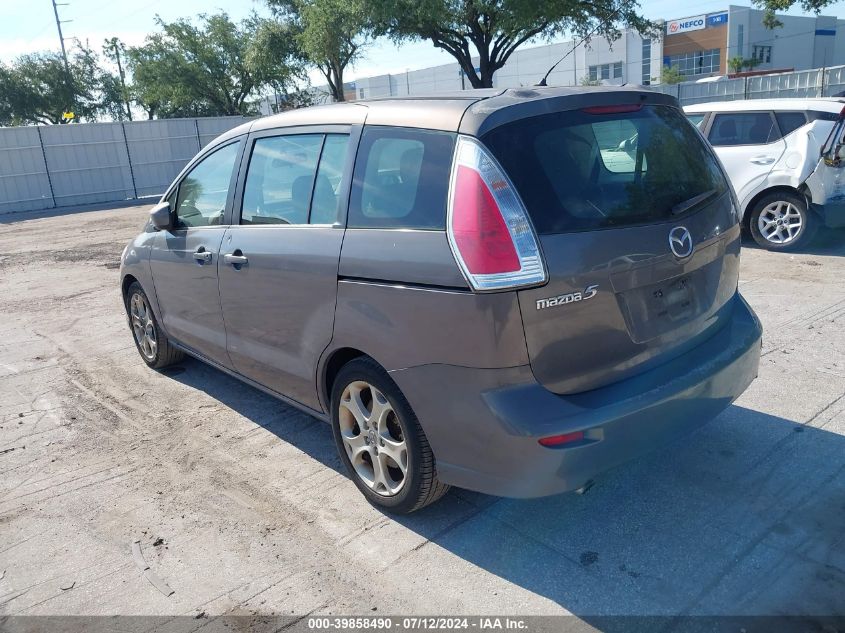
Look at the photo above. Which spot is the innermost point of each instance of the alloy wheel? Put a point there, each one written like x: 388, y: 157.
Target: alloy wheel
x: 143, y: 326
x: 373, y: 438
x: 780, y: 222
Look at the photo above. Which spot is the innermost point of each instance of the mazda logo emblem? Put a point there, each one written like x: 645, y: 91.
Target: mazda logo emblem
x: 680, y: 241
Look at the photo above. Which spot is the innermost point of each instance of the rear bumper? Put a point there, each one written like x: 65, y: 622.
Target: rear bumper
x: 483, y: 424
x: 832, y: 213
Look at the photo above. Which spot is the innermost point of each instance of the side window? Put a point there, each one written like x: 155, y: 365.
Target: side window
x: 696, y: 119
x: 790, y: 121
x: 401, y: 179
x: 201, y: 196
x: 326, y: 203
x: 280, y: 179
x: 743, y: 128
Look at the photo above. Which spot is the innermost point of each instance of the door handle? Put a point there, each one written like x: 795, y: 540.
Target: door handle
x: 202, y: 255
x: 763, y: 160
x: 236, y: 259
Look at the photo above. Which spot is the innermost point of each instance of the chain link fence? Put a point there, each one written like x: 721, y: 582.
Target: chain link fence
x: 43, y: 167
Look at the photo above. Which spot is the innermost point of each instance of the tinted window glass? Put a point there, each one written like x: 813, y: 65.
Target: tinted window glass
x: 202, y: 194
x: 823, y: 116
x: 280, y: 179
x: 401, y: 179
x: 743, y: 128
x: 579, y: 171
x: 790, y: 121
x: 326, y: 204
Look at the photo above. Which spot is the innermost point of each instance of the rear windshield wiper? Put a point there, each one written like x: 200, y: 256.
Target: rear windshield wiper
x: 686, y: 205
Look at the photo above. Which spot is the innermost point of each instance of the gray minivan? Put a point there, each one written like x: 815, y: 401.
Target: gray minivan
x: 504, y: 290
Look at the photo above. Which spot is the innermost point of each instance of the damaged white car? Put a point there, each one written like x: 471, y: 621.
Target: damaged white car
x: 785, y: 159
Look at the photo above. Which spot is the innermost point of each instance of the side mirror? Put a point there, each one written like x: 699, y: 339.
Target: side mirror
x: 161, y: 216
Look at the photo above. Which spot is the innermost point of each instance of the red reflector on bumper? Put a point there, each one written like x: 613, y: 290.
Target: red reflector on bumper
x: 559, y: 440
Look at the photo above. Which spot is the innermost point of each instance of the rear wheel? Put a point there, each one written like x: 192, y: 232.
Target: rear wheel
x: 380, y: 440
x: 152, y: 343
x: 781, y: 222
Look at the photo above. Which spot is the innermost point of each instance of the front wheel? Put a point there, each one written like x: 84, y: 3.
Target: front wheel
x: 153, y: 346
x: 782, y: 222
x: 380, y: 441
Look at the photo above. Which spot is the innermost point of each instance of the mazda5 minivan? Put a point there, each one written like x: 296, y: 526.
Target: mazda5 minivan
x: 509, y: 291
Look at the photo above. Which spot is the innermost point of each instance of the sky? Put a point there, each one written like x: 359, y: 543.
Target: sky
x: 29, y: 26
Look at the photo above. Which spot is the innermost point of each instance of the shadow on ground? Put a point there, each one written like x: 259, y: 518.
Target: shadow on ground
x: 825, y: 242
x: 747, y: 516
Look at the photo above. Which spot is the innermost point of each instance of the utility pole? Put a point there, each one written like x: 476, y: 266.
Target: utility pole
x: 59, y: 23
x: 116, y: 50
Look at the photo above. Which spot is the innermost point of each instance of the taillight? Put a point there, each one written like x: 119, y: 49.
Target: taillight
x: 488, y: 227
x: 613, y: 109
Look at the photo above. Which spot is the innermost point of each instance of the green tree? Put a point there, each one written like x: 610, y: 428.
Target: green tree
x: 751, y: 63
x: 331, y: 34
x: 671, y: 75
x: 770, y: 20
x: 214, y: 68
x: 736, y: 63
x: 36, y: 88
x: 491, y: 30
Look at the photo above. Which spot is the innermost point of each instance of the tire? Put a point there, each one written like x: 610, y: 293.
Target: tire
x: 373, y: 454
x: 152, y: 344
x: 780, y: 221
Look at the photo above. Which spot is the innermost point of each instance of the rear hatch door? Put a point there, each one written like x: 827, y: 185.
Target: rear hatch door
x: 639, y: 234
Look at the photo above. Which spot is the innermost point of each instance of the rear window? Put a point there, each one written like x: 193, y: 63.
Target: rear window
x: 577, y: 171
x: 401, y: 179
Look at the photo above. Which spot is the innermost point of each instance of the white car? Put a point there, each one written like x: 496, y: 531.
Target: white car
x: 782, y: 157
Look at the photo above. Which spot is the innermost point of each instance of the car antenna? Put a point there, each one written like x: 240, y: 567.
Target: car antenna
x: 542, y: 82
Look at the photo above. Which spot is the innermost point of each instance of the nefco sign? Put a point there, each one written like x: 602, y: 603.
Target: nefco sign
x: 686, y: 24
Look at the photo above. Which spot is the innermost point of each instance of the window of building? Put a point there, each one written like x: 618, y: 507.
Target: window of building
x: 697, y: 63
x: 763, y: 54
x: 646, y: 77
x: 606, y: 71
x: 740, y: 40
x: 401, y: 179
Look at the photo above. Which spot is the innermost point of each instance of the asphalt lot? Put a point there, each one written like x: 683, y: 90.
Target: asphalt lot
x: 239, y: 505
